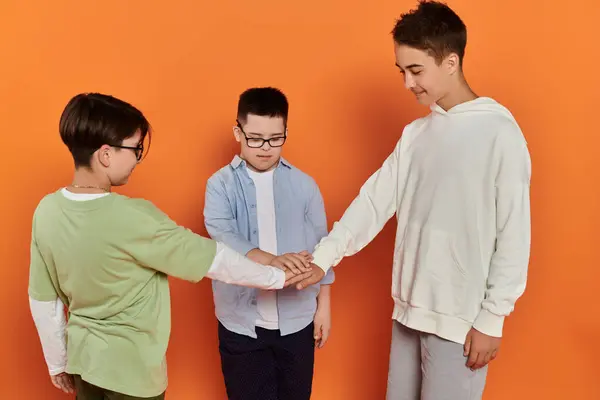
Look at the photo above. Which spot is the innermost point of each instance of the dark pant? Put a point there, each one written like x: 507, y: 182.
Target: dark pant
x: 270, y: 367
x: 87, y: 391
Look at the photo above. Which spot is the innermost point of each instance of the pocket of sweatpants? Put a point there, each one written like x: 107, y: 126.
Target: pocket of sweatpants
x: 440, y: 283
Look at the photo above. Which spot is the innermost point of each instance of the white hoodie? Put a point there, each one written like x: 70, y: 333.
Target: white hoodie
x: 458, y: 182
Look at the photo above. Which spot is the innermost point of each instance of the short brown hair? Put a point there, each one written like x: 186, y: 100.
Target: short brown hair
x: 432, y: 27
x: 262, y: 101
x: 91, y: 120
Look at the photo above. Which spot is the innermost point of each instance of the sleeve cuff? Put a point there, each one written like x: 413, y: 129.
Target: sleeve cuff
x: 321, y: 260
x: 329, y: 277
x: 489, y: 323
x: 57, y: 370
x: 279, y: 278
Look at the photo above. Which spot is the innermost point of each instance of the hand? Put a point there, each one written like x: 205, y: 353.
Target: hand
x: 296, y: 263
x: 306, y: 279
x: 64, y: 382
x: 289, y: 274
x: 309, y: 258
x: 480, y: 348
x: 322, y: 326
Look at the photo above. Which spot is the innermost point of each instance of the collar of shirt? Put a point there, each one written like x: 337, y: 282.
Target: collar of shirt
x: 240, y: 162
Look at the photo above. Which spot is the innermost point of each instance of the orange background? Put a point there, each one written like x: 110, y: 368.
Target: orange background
x: 185, y: 62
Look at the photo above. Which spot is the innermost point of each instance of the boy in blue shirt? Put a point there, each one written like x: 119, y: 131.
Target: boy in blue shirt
x: 270, y: 211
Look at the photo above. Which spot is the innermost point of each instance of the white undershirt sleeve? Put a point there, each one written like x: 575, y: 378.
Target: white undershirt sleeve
x: 229, y: 266
x: 50, y: 322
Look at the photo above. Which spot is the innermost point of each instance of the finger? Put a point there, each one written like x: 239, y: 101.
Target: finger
x: 480, y: 360
x: 61, y: 384
x: 472, y: 358
x: 307, y: 256
x: 71, y: 383
x: 318, y: 336
x: 292, y: 266
x: 301, y: 258
x: 300, y: 262
x: 54, y: 382
x: 288, y: 276
x: 316, y: 275
x: 325, y: 337
x: 311, y: 279
x: 467, y: 348
x: 297, y: 279
x: 487, y: 358
x: 304, y: 253
x: 494, y: 355
x: 279, y: 266
x: 67, y: 384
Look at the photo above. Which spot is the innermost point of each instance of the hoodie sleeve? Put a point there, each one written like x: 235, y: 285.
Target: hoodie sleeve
x: 508, y: 270
x: 364, y: 218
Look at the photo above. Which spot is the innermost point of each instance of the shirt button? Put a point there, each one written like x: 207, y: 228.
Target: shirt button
x: 254, y: 232
x: 252, y: 206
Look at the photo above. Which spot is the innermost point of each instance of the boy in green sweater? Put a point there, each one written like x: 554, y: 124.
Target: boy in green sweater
x: 106, y: 258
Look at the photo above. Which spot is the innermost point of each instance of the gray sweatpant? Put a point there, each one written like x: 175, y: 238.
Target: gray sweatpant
x: 426, y: 367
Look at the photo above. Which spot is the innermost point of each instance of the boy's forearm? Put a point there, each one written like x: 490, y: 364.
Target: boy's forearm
x: 259, y: 256
x: 324, y: 296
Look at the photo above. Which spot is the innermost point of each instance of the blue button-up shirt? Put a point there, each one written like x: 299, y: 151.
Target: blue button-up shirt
x: 230, y: 217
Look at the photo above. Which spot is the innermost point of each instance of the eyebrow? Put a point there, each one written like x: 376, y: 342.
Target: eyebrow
x: 410, y: 66
x: 263, y: 135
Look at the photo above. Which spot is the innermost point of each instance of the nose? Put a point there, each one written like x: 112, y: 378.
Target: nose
x: 266, y: 146
x: 409, y: 82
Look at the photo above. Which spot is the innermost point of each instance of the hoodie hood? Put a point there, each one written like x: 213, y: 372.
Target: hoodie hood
x: 478, y: 105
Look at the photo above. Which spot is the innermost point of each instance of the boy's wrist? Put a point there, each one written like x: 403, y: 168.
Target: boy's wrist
x: 323, y: 299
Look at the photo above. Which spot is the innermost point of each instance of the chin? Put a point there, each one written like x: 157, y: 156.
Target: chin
x: 425, y: 100
x: 121, y: 182
x: 263, y: 165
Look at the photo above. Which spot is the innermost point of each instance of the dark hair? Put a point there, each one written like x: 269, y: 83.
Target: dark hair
x: 264, y: 101
x: 432, y: 27
x: 91, y: 120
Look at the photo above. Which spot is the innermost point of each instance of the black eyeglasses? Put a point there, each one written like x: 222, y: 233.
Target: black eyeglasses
x: 138, y: 150
x: 257, y: 143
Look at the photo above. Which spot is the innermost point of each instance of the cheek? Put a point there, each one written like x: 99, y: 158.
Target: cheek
x: 423, y: 81
x: 276, y: 150
x: 248, y: 152
x: 434, y: 83
x: 125, y: 164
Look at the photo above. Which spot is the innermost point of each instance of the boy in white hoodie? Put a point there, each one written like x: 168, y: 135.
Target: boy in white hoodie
x: 458, y: 181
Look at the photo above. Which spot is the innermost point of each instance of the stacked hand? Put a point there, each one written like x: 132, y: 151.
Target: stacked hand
x: 305, y: 279
x: 299, y: 269
x: 294, y: 262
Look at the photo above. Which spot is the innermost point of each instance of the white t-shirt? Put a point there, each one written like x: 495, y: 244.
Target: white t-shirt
x: 267, y: 241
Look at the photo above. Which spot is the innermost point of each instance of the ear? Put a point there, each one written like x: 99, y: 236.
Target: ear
x: 104, y: 154
x: 237, y: 134
x: 452, y: 63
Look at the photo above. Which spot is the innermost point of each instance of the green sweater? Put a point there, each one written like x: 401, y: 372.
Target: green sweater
x: 108, y: 259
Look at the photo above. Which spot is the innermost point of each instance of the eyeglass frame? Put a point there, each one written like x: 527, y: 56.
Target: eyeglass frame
x: 239, y: 125
x: 139, y: 148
